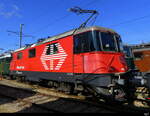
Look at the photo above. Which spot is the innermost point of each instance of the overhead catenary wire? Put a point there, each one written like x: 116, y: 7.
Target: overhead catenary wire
x: 50, y: 24
x: 20, y: 34
x: 90, y: 3
x: 60, y: 19
x: 36, y: 18
x: 43, y: 28
x: 130, y: 20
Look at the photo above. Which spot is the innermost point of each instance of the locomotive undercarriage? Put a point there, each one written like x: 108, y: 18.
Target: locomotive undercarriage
x: 107, y: 86
x: 111, y: 87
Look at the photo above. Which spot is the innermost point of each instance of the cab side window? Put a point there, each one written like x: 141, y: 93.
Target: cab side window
x: 32, y: 53
x: 19, y: 56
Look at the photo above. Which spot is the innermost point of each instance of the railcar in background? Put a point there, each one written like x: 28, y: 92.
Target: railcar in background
x: 137, y: 66
x: 142, y: 60
x: 142, y: 57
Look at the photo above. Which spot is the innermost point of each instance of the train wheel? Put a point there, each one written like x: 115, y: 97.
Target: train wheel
x: 70, y: 88
x: 20, y: 79
x: 62, y: 87
x: 119, y: 94
x: 66, y: 87
x: 23, y: 79
x: 50, y: 84
x: 8, y: 77
x: 111, y: 94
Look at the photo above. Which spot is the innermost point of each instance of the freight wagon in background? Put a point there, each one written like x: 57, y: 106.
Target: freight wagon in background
x: 142, y: 57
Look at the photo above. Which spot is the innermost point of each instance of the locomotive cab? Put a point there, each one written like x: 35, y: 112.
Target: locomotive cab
x: 100, y: 50
x: 98, y: 56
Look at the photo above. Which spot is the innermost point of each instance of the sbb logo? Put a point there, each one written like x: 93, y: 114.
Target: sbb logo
x: 60, y: 55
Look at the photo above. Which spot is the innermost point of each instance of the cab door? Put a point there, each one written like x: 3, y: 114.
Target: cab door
x: 84, y: 45
x: 78, y: 57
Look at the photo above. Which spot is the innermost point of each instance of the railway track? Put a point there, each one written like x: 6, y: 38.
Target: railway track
x: 31, y: 100
x: 24, y: 98
x: 45, y: 103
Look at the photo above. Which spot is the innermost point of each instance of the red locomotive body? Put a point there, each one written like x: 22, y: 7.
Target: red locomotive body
x: 92, y: 56
x: 37, y: 58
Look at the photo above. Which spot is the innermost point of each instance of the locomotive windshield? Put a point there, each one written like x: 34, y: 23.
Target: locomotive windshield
x: 108, y: 42
x: 97, y: 41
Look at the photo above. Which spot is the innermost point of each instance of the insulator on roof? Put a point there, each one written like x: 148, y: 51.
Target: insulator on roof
x: 28, y: 45
x: 40, y: 40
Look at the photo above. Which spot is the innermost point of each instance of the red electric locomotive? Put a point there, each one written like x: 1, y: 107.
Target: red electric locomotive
x: 89, y: 58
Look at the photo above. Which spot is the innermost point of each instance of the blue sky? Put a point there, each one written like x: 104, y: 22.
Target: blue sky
x: 42, y: 18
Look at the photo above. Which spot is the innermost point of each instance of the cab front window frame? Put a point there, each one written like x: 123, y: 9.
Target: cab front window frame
x: 96, y: 40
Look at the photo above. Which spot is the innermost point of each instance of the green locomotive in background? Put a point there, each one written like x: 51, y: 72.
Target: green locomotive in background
x: 5, y: 64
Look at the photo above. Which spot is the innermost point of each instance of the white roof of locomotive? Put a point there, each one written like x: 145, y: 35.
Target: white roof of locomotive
x: 72, y: 32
